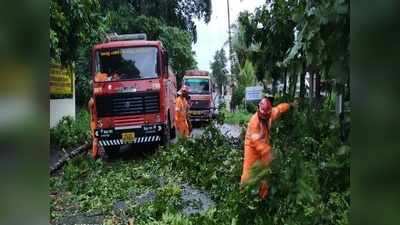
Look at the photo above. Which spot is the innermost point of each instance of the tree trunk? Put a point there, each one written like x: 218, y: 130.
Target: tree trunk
x: 311, y: 81
x: 318, y: 97
x: 318, y: 85
x: 140, y: 7
x: 302, y: 85
x: 292, y: 86
x: 265, y: 85
x: 340, y: 110
x: 348, y: 89
x: 274, y: 84
x: 284, y: 82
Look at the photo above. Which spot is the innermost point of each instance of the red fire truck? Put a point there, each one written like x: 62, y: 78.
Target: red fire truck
x: 134, y: 92
x: 201, y: 95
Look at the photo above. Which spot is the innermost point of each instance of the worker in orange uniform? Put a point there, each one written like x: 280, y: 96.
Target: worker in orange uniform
x: 257, y: 147
x: 188, y: 99
x: 101, y: 77
x: 181, y: 112
x: 93, y: 119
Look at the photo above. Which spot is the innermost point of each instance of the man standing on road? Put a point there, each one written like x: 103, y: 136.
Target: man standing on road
x: 257, y: 147
x: 181, y: 112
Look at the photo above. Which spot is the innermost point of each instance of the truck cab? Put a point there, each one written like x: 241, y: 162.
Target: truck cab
x: 133, y: 91
x: 201, y: 99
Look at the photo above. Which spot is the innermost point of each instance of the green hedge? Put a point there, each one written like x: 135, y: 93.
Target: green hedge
x: 69, y: 132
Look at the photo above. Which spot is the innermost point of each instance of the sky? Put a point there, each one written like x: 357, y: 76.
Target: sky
x: 212, y: 36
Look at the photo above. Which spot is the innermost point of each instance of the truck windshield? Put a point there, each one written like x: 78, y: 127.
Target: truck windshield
x: 126, y: 64
x: 198, y: 86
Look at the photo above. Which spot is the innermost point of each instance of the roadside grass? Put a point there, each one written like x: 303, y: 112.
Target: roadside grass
x: 237, y: 117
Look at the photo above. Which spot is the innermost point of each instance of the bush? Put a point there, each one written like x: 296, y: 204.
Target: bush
x: 71, y: 133
x: 251, y: 107
x: 238, y: 96
x: 221, y: 113
x: 238, y: 117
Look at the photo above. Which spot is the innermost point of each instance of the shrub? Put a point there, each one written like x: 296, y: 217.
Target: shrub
x: 70, y: 133
x: 238, y: 96
x: 251, y: 107
x: 238, y: 117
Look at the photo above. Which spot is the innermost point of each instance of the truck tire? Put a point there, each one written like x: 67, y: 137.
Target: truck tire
x: 173, y: 128
x: 173, y: 132
x: 166, y: 135
x: 111, y: 151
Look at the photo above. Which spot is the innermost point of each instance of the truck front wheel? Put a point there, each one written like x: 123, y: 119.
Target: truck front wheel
x: 173, y: 132
x: 111, y: 151
x: 166, y: 134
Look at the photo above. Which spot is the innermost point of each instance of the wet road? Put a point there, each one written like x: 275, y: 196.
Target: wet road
x: 231, y: 130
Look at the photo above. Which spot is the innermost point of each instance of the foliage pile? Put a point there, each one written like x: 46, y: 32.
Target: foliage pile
x: 309, y: 179
x: 71, y: 132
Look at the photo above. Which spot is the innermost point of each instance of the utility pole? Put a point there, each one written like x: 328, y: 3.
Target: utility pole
x: 229, y: 32
x: 230, y: 77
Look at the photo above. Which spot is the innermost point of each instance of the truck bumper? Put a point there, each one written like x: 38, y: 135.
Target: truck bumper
x: 138, y: 134
x: 200, y: 115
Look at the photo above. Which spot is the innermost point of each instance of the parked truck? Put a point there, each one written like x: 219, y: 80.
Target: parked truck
x: 134, y: 91
x: 201, y: 95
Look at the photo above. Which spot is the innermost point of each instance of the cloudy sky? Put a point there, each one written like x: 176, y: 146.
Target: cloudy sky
x: 212, y: 36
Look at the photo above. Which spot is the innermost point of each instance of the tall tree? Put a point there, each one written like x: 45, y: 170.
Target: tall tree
x: 245, y: 78
x: 323, y: 40
x: 178, y: 13
x: 269, y: 26
x: 73, y: 23
x: 177, y: 41
x: 219, y: 71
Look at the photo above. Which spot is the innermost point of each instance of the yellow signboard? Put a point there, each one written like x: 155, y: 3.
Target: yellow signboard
x: 61, y: 80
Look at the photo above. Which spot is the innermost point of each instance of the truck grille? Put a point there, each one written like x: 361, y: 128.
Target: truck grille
x: 199, y: 104
x: 123, y: 104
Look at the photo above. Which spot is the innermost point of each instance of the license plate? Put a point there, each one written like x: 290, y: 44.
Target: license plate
x: 128, y: 137
x: 196, y: 112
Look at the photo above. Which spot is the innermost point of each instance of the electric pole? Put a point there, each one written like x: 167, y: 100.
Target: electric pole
x: 230, y: 77
x: 229, y: 32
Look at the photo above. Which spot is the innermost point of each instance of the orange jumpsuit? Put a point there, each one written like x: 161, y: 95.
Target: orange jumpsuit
x: 181, y: 110
x: 93, y: 119
x: 257, y: 147
x: 99, y: 77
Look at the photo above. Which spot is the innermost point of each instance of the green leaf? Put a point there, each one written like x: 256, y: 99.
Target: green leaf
x: 297, y: 16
